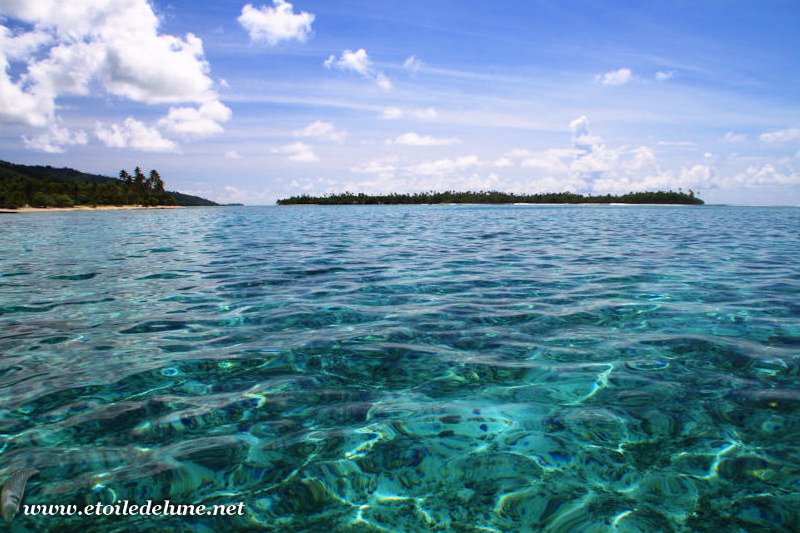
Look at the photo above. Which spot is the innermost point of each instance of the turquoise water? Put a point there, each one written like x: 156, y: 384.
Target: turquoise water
x: 398, y: 368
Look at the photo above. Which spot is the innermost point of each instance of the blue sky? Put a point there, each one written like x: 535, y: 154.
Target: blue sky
x: 248, y: 103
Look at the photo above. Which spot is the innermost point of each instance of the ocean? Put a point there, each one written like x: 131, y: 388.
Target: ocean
x: 406, y: 368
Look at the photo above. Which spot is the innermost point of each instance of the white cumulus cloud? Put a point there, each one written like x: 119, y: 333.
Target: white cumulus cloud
x: 200, y: 122
x: 780, y: 136
x: 664, y: 75
x: 766, y: 174
x: 412, y: 64
x: 360, y: 63
x: 581, y: 139
x: 20, y: 46
x: 589, y: 165
x: 134, y: 134
x: 357, y: 61
x: 391, y: 113
x: 93, y: 48
x: 322, y: 130
x: 584, y: 163
x: 732, y: 137
x: 54, y: 139
x: 298, y: 151
x: 615, y: 77
x: 580, y: 126
x: 383, y: 82
x: 275, y: 24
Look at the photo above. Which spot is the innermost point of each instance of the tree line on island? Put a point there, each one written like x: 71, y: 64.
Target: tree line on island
x: 135, y: 189
x: 38, y: 186
x: 495, y: 197
x: 145, y: 190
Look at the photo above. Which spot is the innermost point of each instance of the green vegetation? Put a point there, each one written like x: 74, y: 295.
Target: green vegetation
x: 39, y: 186
x: 494, y: 197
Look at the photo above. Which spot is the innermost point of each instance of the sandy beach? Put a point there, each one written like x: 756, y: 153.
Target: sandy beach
x: 86, y: 208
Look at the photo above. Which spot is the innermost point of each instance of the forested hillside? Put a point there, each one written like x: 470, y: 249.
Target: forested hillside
x: 44, y: 186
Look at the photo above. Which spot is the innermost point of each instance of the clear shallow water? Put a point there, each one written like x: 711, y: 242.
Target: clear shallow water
x: 393, y: 368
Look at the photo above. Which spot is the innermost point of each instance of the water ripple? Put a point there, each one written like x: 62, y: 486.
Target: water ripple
x: 565, y: 368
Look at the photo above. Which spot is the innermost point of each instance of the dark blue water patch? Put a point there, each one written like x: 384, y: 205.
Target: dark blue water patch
x: 178, y: 348
x: 88, y: 302
x: 165, y: 275
x: 156, y: 326
x: 17, y: 309
x: 318, y: 271
x: 261, y: 282
x: 75, y: 277
x: 784, y: 341
x: 54, y: 340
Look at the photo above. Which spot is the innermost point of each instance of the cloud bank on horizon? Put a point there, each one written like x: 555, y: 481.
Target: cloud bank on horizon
x: 252, y: 102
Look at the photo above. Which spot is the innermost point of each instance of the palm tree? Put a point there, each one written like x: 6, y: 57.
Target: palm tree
x: 138, y: 181
x: 125, y: 177
x: 158, y: 183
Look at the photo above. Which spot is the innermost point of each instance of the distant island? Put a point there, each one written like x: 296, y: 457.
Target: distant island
x: 45, y: 187
x: 494, y: 197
